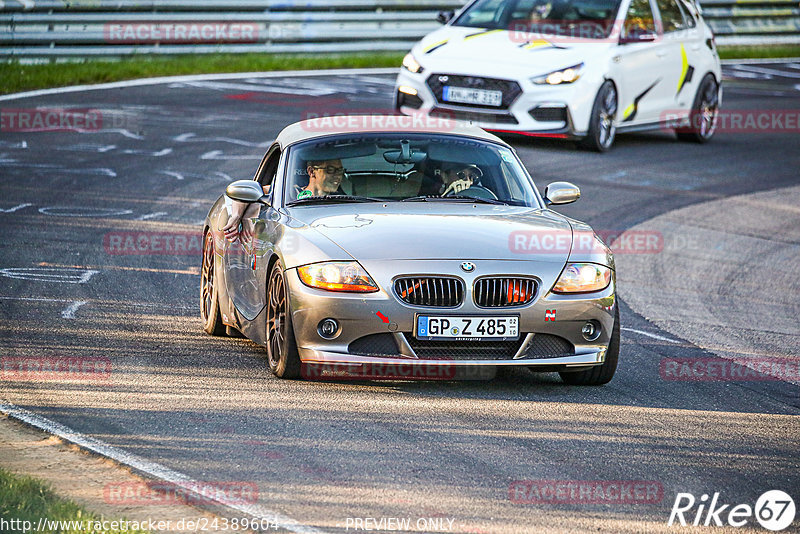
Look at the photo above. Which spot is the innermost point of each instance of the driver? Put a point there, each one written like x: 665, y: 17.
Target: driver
x: 455, y: 178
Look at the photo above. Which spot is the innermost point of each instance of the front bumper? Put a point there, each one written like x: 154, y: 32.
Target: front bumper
x: 522, y: 116
x: 548, y: 318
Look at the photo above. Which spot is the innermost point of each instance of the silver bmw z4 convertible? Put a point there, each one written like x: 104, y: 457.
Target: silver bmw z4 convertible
x: 385, y: 246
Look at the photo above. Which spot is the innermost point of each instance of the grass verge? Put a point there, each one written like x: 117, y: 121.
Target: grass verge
x: 25, y: 500
x: 759, y: 52
x: 15, y: 77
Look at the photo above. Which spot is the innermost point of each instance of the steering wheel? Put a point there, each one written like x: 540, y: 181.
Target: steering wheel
x: 475, y: 191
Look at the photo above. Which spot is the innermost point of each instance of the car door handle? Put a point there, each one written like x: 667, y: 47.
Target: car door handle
x: 695, y: 47
x: 661, y: 54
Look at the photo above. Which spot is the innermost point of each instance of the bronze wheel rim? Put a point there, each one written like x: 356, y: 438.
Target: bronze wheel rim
x: 207, y: 278
x: 276, y: 317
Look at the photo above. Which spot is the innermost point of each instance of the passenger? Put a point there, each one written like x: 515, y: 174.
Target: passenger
x: 324, y: 178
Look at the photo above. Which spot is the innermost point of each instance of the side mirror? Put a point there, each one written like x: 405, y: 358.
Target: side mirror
x: 640, y: 36
x: 246, y: 191
x: 443, y: 17
x: 561, y: 193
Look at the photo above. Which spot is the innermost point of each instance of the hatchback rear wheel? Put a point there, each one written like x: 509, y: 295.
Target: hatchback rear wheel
x: 703, y: 117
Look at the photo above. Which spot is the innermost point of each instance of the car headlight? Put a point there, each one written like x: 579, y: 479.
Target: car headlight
x: 583, y: 278
x: 411, y: 64
x: 568, y: 75
x: 337, y: 276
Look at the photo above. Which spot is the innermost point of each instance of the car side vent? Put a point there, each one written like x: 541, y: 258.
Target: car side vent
x: 432, y: 291
x: 501, y: 292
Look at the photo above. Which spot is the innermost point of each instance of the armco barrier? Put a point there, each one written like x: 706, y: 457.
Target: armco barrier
x: 31, y: 29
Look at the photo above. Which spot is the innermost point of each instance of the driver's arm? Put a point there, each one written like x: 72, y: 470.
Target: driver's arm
x: 458, y: 186
x: 238, y: 211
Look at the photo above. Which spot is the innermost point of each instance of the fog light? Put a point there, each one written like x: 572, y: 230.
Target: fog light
x: 590, y: 331
x: 327, y: 328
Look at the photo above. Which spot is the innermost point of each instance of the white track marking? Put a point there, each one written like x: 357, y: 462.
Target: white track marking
x: 122, y: 132
x: 648, y: 334
x: 192, y: 78
x: 217, y: 154
x: 88, y: 147
x: 251, y: 88
x: 223, y: 175
x: 758, y: 61
x: 156, y: 154
x: 15, y: 208
x: 36, y: 299
x: 69, y: 311
x: 58, y: 211
x: 45, y: 274
x: 100, y: 171
x: 176, y: 175
x: 190, y: 137
x: 768, y: 72
x: 7, y: 144
x: 149, y: 468
x: 151, y: 216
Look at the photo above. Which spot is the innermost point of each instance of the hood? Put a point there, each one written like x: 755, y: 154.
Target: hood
x: 502, y: 53
x: 425, y: 232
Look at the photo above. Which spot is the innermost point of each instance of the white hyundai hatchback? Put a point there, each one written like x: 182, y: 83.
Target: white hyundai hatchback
x: 580, y: 69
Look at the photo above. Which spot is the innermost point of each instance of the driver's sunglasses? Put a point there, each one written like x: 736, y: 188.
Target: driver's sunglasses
x: 330, y: 169
x: 472, y: 174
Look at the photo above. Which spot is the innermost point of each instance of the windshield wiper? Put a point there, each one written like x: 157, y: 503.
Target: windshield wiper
x: 332, y: 199
x: 433, y: 198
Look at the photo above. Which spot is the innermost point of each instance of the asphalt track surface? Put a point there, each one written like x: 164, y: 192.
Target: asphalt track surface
x: 325, y: 452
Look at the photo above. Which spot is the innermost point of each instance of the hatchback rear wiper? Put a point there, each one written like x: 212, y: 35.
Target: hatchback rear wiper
x: 332, y: 199
x: 433, y: 198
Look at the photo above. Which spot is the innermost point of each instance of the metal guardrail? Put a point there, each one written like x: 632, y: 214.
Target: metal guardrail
x: 84, y: 28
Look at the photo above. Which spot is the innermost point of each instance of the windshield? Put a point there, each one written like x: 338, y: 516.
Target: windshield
x: 405, y: 167
x: 592, y: 19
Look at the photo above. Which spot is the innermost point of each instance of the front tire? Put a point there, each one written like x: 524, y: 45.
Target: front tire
x: 703, y: 117
x: 600, y: 374
x: 282, y: 355
x: 602, y: 129
x: 209, y: 294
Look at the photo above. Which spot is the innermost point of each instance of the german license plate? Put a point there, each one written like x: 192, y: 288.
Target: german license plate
x: 431, y: 327
x: 465, y: 95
